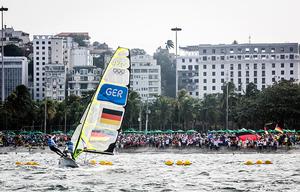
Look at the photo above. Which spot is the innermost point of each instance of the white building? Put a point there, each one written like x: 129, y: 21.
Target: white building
x: 205, y: 68
x: 55, y: 81
x: 83, y: 79
x: 15, y: 73
x: 145, y: 77
x: 81, y: 57
x: 47, y: 50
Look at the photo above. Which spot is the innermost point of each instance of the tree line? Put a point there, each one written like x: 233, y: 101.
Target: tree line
x: 276, y: 104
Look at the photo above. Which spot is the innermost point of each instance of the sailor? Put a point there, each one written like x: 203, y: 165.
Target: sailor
x: 69, y: 147
x: 53, y: 147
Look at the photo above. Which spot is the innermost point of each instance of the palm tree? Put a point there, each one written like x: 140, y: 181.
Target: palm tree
x: 169, y: 44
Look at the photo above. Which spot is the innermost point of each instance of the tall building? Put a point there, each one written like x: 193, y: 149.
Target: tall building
x: 15, y: 73
x: 81, y: 57
x: 205, y: 68
x: 145, y: 77
x: 47, y: 50
x: 83, y: 79
x: 55, y: 81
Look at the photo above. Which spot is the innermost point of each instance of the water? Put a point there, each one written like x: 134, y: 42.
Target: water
x: 147, y: 172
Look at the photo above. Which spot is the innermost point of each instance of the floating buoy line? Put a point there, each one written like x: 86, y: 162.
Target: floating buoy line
x: 179, y: 162
x: 258, y: 162
x: 94, y: 162
x: 31, y: 163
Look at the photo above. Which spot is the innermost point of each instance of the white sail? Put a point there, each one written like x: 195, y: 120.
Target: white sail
x: 99, y: 127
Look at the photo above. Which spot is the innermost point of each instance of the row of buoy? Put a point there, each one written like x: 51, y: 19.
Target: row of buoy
x: 179, y: 162
x: 94, y: 162
x: 32, y: 163
x: 258, y: 162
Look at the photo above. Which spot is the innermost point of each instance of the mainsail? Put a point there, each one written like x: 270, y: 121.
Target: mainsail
x: 99, y: 127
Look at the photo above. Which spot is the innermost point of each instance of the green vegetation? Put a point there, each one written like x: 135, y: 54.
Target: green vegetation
x: 279, y: 103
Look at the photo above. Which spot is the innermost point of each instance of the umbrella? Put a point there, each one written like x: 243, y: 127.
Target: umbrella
x: 57, y: 132
x: 157, y: 131
x: 179, y: 131
x: 131, y: 130
x: 191, y: 131
x: 249, y: 137
x: 169, y: 131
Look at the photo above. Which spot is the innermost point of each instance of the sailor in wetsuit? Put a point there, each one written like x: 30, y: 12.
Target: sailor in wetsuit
x: 52, y: 145
x: 69, y: 147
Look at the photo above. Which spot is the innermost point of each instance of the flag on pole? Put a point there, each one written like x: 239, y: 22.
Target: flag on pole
x: 278, y: 129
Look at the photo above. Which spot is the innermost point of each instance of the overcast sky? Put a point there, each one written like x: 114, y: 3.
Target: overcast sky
x: 146, y: 23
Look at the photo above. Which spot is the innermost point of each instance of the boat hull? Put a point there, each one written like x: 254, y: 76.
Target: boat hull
x: 67, y: 162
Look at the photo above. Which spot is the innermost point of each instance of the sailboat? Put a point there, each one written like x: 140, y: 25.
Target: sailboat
x: 99, y: 126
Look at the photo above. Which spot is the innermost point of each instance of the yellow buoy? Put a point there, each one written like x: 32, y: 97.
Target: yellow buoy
x: 248, y: 163
x: 187, y: 162
x: 28, y: 163
x: 18, y: 163
x: 169, y: 162
x: 93, y: 162
x: 102, y: 162
x: 259, y: 162
x: 179, y: 162
x: 268, y: 162
x: 34, y: 163
x: 108, y: 163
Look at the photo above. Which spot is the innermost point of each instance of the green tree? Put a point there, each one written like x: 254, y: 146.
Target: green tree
x: 13, y: 50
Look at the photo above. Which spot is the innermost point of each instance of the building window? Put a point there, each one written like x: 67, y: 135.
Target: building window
x: 247, y: 80
x: 204, y: 66
x: 263, y: 66
x: 273, y: 65
x: 222, y: 73
x: 213, y: 80
x: 239, y: 73
x: 247, y: 73
x: 263, y: 80
x: 222, y: 58
x: 213, y: 58
x: 190, y: 67
x: 231, y: 73
x: 255, y: 66
x: 204, y: 58
x: 263, y: 50
x: 282, y: 72
x: 231, y: 66
x: 255, y: 80
x: 273, y: 72
x: 204, y: 73
x: 222, y: 80
x: 222, y: 66
x: 183, y: 67
x: 291, y: 56
x: 263, y: 73
x: 291, y: 65
x: 197, y: 60
x: 282, y: 57
x: 239, y: 88
x: 183, y: 60
x: 213, y: 51
x: 255, y: 73
x: 197, y: 93
x: 291, y: 72
x: 213, y: 66
x: 204, y: 80
x: 282, y: 65
x: 239, y: 57
x: 291, y: 49
x: 213, y: 87
x: 263, y: 86
x: 190, y: 60
x: 196, y: 67
x: 204, y: 51
x: 213, y: 73
x: 204, y: 87
x: 196, y: 80
x: 239, y: 80
x: 239, y: 66
x: 273, y: 79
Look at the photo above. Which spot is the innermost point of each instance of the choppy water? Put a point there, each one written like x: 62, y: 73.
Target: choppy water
x: 147, y: 172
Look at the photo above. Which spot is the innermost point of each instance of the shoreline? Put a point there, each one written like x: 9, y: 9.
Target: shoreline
x: 191, y: 150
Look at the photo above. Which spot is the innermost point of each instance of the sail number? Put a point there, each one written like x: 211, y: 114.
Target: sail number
x: 113, y: 93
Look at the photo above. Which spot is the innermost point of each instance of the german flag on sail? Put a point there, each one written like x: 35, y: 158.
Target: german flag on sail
x: 111, y: 117
x: 97, y: 135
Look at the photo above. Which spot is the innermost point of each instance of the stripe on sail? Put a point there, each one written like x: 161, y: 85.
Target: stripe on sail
x: 101, y: 123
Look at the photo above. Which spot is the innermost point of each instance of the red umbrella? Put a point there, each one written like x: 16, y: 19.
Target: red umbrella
x: 251, y: 137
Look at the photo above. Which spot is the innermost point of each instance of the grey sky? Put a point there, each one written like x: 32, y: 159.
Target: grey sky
x: 146, y: 24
